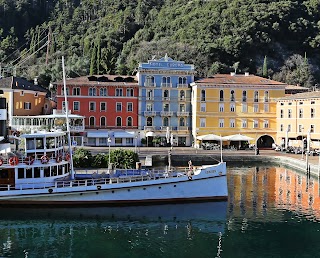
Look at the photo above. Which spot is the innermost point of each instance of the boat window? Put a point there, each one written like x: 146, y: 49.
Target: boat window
x: 30, y: 144
x: 20, y: 172
x: 4, y: 174
x: 54, y: 171
x: 50, y: 143
x: 60, y: 170
x: 39, y: 143
x: 46, y: 171
x: 36, y: 172
x: 29, y: 173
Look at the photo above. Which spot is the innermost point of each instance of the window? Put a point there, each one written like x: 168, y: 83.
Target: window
x: 165, y: 95
x: 92, y: 106
x: 166, y: 81
x: 232, y: 98
x: 232, y: 123
x: 313, y: 102
x: 166, y: 107
x: 119, y: 92
x: 149, y: 121
x: 221, y: 107
x: 266, y: 124
x: 202, y: 107
x: 300, y: 113
x: 36, y: 94
x: 244, y: 107
x: 130, y: 92
x: 118, y: 121
x: 221, y: 123
x: 203, y: 95
x: 103, y: 106
x: 255, y: 108
x: 182, y: 121
x: 244, y: 123
x: 300, y: 103
x: 289, y: 128
x: 103, y: 121
x: 266, y: 96
x: 76, y: 106
x: 255, y: 124
x: 281, y: 113
x: 182, y: 80
x: 64, y: 105
x: 290, y: 103
x: 300, y: 128
x: 232, y: 107
x: 221, y: 95
x: 202, y: 122
x: 149, y: 81
x: 266, y: 107
x: 312, y: 113
x: 256, y: 96
x: 244, y: 96
x: 27, y: 105
x: 129, y: 107
x: 129, y: 141
x: 22, y: 93
x: 76, y: 91
x: 165, y: 121
x: 149, y: 107
x: 182, y: 95
x: 149, y: 94
x: 281, y: 128
x: 129, y: 121
x: 92, y: 121
x: 118, y: 107
x: 92, y: 92
x: 182, y: 108
x: 103, y: 92
x: 311, y: 128
x: 289, y: 113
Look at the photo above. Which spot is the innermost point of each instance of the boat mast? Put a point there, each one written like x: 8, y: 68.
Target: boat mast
x: 67, y: 118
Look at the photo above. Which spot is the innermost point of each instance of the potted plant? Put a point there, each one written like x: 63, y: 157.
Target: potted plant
x: 156, y: 141
x: 143, y: 141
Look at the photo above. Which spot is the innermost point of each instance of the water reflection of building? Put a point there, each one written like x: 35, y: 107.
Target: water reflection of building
x: 297, y: 192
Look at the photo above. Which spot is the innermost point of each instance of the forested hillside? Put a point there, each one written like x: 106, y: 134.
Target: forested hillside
x: 277, y: 39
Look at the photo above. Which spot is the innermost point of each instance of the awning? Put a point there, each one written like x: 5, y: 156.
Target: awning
x: 149, y: 134
x: 97, y: 134
x: 124, y: 134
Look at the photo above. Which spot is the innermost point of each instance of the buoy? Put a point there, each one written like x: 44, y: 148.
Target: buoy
x: 14, y: 161
x: 29, y: 160
x: 44, y: 159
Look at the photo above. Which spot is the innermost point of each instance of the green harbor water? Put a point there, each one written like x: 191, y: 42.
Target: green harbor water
x: 271, y: 212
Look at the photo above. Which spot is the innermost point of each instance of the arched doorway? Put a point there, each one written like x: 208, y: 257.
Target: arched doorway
x: 265, y: 142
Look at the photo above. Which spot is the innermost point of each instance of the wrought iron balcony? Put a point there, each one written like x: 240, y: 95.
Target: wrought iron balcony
x: 166, y: 113
x: 150, y: 113
x: 180, y: 113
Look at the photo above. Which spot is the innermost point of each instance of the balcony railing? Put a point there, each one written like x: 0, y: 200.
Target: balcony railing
x: 166, y: 99
x: 166, y: 85
x: 183, y: 128
x: 150, y: 98
x: 182, y: 85
x: 166, y: 113
x: 149, y: 128
x: 149, y: 84
x: 150, y: 113
x: 180, y: 113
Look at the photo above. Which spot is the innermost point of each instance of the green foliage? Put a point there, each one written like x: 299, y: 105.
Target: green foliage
x: 100, y: 160
x: 265, y: 68
x: 82, y: 158
x: 123, y: 158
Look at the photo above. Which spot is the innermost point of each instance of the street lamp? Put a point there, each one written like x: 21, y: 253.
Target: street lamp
x: 109, y: 143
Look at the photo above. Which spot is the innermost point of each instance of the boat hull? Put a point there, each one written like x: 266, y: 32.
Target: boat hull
x: 201, y: 187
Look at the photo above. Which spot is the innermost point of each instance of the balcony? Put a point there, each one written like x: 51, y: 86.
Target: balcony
x: 164, y: 128
x: 150, y: 98
x: 166, y: 85
x: 266, y: 100
x: 149, y: 128
x: 183, y: 113
x: 166, y: 99
x: 149, y: 84
x: 149, y: 113
x: 183, y: 128
x: 166, y: 113
x: 182, y: 85
x: 77, y: 128
x: 183, y: 98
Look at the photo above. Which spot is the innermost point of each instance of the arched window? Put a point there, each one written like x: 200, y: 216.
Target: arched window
x: 92, y: 92
x: 103, y: 92
x: 67, y: 90
x: 165, y: 121
x: 266, y: 96
x: 244, y: 96
x: 76, y: 91
x: 182, y: 80
x: 182, y: 121
x: 149, y: 80
x: 182, y: 95
x: 165, y: 95
x: 129, y: 121
x: 149, y: 121
x: 92, y: 121
x: 103, y: 121
x: 203, y: 95
x: 221, y: 95
x: 118, y: 121
x: 166, y: 80
x: 232, y: 98
x: 256, y: 96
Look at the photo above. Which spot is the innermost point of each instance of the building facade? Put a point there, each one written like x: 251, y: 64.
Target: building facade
x: 228, y: 104
x: 298, y: 119
x: 109, y: 104
x: 164, y: 101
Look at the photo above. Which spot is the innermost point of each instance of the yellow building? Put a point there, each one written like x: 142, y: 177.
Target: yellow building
x: 228, y: 104
x: 298, y: 118
x: 24, y: 98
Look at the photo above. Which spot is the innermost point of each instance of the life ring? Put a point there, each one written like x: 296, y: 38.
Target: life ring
x: 29, y: 160
x: 44, y: 159
x: 58, y: 158
x: 14, y: 161
x: 67, y: 157
x: 1, y: 161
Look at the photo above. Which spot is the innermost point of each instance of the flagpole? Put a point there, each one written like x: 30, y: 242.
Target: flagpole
x: 221, y: 149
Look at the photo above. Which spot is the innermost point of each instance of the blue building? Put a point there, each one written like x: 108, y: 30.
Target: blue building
x: 165, y: 101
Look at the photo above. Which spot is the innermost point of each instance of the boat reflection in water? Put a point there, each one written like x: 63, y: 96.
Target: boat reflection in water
x: 94, y: 232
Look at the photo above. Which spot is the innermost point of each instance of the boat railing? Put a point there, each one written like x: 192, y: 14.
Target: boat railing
x: 28, y: 160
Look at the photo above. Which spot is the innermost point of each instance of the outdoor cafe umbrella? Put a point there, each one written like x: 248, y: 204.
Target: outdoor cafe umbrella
x: 211, y: 137
x: 237, y: 137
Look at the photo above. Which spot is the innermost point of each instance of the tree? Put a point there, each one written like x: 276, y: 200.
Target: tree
x: 82, y: 158
x: 265, y: 68
x: 235, y: 66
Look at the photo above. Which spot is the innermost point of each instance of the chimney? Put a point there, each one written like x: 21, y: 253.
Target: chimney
x: 246, y: 74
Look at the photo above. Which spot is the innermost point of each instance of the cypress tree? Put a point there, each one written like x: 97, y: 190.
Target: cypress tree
x: 93, y: 67
x: 265, y: 68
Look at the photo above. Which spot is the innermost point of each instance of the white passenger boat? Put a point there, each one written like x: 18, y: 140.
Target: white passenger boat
x: 42, y: 174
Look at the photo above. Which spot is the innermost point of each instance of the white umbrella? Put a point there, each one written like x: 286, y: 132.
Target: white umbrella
x: 200, y: 137
x: 211, y: 137
x: 237, y: 137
